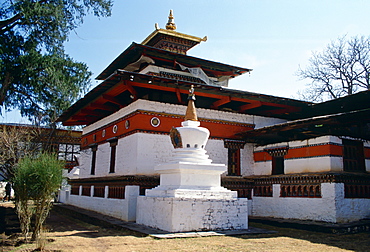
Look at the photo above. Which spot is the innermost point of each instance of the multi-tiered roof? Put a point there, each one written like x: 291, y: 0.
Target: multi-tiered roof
x: 159, y: 69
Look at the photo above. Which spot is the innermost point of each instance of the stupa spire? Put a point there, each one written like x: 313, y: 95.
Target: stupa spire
x: 191, y: 113
x: 171, y: 22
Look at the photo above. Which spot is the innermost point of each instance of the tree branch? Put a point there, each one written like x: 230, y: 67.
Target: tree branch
x: 4, y: 24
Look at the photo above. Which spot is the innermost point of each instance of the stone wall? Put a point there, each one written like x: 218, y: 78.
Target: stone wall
x: 186, y: 214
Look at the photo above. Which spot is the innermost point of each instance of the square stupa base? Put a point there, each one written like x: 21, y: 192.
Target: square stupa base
x: 192, y: 214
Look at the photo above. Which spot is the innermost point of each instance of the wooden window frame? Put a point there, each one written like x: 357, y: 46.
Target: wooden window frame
x: 233, y: 162
x: 278, y: 166
x: 113, y: 150
x: 353, y: 156
x: 277, y: 161
x: 94, y: 149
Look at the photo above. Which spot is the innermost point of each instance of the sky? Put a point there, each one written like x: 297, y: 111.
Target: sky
x: 274, y: 38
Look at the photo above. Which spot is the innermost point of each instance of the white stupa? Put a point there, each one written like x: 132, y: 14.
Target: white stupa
x: 190, y: 196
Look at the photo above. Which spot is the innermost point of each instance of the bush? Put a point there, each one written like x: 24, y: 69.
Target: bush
x: 35, y: 183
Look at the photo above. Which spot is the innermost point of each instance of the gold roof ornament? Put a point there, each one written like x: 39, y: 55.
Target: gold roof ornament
x: 170, y: 40
x: 171, y: 22
x: 191, y: 113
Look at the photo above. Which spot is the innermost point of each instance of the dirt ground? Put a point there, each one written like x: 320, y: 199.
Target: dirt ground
x: 67, y: 234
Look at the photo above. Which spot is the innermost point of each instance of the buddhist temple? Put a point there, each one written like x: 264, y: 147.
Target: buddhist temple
x: 287, y: 158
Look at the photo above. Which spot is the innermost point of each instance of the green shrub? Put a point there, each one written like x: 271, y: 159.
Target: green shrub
x: 36, y: 181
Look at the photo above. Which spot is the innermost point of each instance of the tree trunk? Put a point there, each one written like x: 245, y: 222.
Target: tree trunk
x: 5, y: 87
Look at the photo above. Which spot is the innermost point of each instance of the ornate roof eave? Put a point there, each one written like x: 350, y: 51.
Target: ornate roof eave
x: 354, y: 124
x: 135, y: 51
x: 121, y: 82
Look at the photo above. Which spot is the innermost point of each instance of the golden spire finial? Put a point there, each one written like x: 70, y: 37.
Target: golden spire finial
x: 171, y: 22
x: 191, y: 113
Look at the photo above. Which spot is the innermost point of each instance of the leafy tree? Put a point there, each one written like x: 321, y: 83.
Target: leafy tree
x: 343, y: 68
x: 36, y: 75
x: 35, y: 182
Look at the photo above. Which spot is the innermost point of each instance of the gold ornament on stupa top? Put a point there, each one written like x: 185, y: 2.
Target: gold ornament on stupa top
x: 191, y: 113
x: 171, y: 22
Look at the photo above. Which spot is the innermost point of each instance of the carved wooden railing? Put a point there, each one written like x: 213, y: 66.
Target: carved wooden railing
x: 116, y: 192
x: 304, y: 191
x: 243, y: 186
x: 99, y: 191
x: 356, y: 191
x: 75, y: 190
x: 262, y: 191
x: 86, y: 190
x: 292, y: 185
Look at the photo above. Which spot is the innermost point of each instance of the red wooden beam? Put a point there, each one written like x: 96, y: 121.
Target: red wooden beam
x: 131, y: 89
x: 251, y: 105
x: 220, y: 102
x: 91, y: 112
x: 111, y: 99
x: 96, y: 105
x: 178, y: 95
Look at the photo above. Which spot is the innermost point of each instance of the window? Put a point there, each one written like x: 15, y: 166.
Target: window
x: 233, y: 163
x: 277, y: 154
x: 68, y: 152
x: 233, y: 156
x: 277, y: 165
x: 93, y: 159
x: 113, y: 147
x: 353, y: 156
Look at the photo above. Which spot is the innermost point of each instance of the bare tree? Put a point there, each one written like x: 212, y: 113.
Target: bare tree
x: 341, y: 69
x: 15, y: 143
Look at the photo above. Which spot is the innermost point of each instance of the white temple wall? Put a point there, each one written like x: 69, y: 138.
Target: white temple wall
x: 262, y: 168
x: 85, y: 163
x: 167, y: 108
x: 102, y: 160
x: 246, y: 160
x: 316, y: 164
x: 126, y: 155
x: 317, y: 140
x: 137, y: 154
x: 302, y: 164
x: 140, y: 152
x: 151, y: 150
x: 349, y: 209
x: 124, y: 209
x: 216, y: 151
x: 259, y: 121
x: 331, y: 207
x: 367, y: 161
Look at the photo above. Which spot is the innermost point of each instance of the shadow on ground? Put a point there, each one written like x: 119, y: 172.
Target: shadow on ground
x: 64, y: 224
x: 354, y: 242
x: 84, y: 226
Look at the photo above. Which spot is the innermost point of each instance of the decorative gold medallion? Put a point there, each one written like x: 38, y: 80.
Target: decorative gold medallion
x: 155, y: 121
